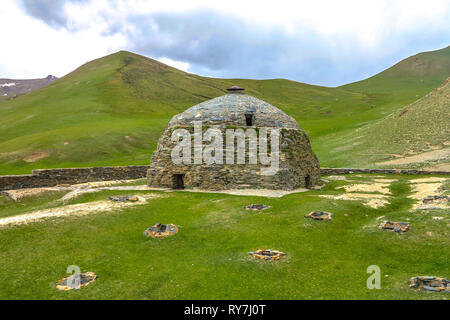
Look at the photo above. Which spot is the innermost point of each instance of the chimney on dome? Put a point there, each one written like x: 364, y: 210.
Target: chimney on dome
x: 235, y: 89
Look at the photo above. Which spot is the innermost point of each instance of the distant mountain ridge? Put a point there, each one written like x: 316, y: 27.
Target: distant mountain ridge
x: 11, y: 88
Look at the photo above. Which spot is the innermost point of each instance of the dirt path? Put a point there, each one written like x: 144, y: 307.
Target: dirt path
x: 439, y: 167
x: 75, y: 190
x: 74, y: 210
x: 441, y: 154
x: 253, y: 192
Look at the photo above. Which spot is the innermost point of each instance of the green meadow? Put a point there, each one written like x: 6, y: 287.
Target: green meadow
x: 208, y: 258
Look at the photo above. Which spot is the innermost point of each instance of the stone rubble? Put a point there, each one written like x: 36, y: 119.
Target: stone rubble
x: 256, y: 207
x: 85, y: 279
x: 430, y: 283
x: 267, y: 254
x: 320, y: 215
x: 161, y: 231
x: 395, y: 226
x: 130, y: 198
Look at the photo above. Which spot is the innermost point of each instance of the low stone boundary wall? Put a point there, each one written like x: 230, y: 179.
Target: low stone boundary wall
x: 54, y: 177
x: 326, y: 171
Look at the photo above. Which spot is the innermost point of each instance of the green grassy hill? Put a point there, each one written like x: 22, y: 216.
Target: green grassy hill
x: 112, y: 110
x: 416, y: 135
x: 412, y: 77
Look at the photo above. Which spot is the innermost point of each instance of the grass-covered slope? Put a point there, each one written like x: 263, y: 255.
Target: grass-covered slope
x: 418, y: 134
x: 111, y: 111
x: 409, y: 79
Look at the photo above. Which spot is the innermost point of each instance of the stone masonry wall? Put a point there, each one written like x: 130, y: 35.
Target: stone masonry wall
x: 53, y: 177
x: 298, y: 166
x: 327, y: 171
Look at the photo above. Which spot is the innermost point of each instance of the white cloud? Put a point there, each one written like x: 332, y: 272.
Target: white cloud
x: 180, y: 65
x: 292, y: 35
x: 32, y: 49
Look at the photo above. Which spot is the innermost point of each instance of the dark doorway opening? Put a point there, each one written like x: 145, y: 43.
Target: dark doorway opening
x: 178, y: 181
x: 249, y: 119
x: 308, y: 182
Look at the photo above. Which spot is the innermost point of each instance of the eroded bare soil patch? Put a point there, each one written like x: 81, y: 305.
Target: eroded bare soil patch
x: 74, y: 210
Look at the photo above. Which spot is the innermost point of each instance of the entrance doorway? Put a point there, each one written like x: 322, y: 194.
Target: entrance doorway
x: 178, y: 181
x: 308, y: 182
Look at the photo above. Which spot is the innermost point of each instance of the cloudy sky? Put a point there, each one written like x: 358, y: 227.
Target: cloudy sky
x: 319, y: 42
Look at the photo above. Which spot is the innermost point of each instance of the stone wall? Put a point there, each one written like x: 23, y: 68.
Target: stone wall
x: 298, y: 166
x: 53, y: 177
x: 327, y: 171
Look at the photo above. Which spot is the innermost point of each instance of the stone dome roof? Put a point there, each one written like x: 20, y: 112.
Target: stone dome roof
x: 232, y: 109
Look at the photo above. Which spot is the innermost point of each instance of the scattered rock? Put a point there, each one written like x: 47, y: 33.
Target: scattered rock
x: 267, y: 254
x: 256, y: 207
x: 429, y: 195
x: 72, y: 282
x: 320, y: 215
x: 395, y: 226
x: 434, y: 198
x: 434, y: 202
x: 430, y: 283
x: 124, y: 199
x: 161, y: 230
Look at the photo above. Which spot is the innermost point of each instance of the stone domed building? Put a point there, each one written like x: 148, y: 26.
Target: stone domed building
x: 290, y: 158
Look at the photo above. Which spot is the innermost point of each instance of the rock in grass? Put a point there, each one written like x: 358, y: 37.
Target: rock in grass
x: 129, y: 198
x: 320, y: 215
x: 76, y: 281
x: 161, y: 230
x: 430, y: 283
